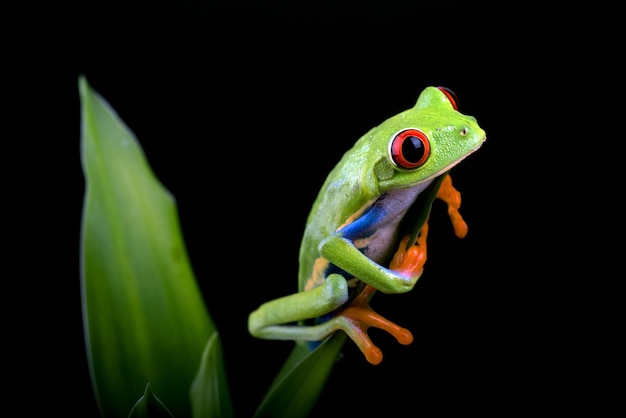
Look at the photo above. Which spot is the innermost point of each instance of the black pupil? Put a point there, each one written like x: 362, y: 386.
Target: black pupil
x: 412, y: 149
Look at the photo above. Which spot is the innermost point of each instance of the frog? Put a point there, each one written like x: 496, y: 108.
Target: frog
x: 366, y: 231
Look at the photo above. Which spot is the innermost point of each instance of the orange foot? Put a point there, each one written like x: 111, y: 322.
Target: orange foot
x: 452, y: 197
x: 361, y: 316
x: 411, y: 262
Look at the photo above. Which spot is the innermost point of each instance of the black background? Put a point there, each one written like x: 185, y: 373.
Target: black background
x: 242, y: 108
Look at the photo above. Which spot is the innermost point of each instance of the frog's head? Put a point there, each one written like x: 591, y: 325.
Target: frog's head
x: 426, y: 140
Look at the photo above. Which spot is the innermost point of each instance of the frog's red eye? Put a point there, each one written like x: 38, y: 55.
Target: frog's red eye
x: 409, y: 148
x: 451, y: 96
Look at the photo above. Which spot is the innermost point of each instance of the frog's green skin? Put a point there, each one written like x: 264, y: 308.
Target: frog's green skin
x: 353, y: 228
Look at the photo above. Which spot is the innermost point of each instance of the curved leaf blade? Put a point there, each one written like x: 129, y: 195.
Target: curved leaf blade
x: 298, y: 384
x: 210, y: 394
x: 144, y: 316
x: 150, y: 406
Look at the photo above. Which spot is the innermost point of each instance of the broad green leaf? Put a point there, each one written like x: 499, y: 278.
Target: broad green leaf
x: 144, y: 316
x: 150, y: 406
x: 298, y: 384
x: 210, y: 395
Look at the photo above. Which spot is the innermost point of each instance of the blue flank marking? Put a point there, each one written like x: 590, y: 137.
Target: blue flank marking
x: 365, y: 224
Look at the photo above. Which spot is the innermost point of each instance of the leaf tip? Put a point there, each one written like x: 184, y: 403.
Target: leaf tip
x: 82, y: 84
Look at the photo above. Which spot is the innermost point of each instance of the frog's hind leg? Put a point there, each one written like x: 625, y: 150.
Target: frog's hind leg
x: 354, y: 321
x: 271, y: 320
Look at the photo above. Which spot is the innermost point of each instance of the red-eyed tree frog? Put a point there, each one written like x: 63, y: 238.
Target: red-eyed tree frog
x: 367, y: 229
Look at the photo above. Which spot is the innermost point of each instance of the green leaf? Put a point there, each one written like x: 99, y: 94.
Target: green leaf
x: 149, y: 406
x: 210, y: 395
x: 144, y: 317
x: 298, y: 384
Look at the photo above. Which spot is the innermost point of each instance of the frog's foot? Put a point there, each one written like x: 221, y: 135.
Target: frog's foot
x: 452, y: 197
x: 410, y: 263
x: 359, y: 316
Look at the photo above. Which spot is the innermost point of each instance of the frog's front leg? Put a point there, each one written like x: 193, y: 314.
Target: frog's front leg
x: 359, y: 316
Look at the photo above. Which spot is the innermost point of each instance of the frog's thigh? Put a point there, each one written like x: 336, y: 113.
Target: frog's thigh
x: 265, y: 321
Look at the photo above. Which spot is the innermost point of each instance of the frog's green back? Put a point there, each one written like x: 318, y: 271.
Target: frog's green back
x: 365, y: 171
